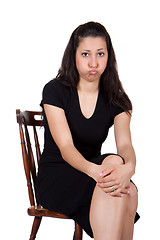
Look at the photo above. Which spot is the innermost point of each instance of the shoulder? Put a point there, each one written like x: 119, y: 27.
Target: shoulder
x: 55, y: 93
x: 112, y: 109
x: 56, y: 88
x: 54, y: 85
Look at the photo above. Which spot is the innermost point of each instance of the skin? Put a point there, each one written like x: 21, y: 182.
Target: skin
x: 91, y: 63
x: 116, y: 222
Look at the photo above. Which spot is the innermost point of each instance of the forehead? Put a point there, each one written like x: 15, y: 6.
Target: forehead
x: 92, y: 43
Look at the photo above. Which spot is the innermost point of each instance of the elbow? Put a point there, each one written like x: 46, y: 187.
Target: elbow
x: 66, y: 149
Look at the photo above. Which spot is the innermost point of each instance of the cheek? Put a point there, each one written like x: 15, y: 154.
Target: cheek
x: 80, y: 66
x: 104, y: 65
x: 78, y: 63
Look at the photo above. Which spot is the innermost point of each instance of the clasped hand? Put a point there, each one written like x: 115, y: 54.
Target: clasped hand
x: 114, y: 180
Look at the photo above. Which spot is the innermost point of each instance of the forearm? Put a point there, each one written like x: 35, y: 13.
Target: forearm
x: 71, y: 155
x: 128, y: 153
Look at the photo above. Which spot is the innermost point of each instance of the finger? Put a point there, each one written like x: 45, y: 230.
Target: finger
x: 106, y: 184
x: 109, y: 178
x: 125, y: 191
x: 110, y: 186
x: 106, y: 177
x: 116, y: 193
x: 103, y: 179
x: 128, y: 186
x: 106, y: 172
x: 110, y: 189
x: 121, y: 191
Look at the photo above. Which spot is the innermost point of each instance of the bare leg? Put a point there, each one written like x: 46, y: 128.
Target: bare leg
x: 127, y: 232
x: 106, y: 215
x: 110, y: 216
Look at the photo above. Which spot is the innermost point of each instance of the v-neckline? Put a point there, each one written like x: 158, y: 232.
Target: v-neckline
x: 79, y: 105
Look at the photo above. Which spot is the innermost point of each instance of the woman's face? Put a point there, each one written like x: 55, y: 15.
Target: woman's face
x: 91, y: 58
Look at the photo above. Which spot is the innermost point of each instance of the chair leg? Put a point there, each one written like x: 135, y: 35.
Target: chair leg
x: 35, y: 227
x: 78, y: 232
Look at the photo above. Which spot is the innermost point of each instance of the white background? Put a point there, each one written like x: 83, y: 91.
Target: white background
x: 33, y: 36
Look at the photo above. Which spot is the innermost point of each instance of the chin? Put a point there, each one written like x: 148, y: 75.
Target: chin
x: 93, y: 78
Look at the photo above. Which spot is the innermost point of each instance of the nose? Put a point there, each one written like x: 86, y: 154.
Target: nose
x: 93, y: 63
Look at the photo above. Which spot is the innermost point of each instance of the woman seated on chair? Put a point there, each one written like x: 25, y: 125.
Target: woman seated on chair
x: 80, y: 105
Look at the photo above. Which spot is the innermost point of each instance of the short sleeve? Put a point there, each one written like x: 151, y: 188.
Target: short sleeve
x: 54, y: 93
x: 114, y: 111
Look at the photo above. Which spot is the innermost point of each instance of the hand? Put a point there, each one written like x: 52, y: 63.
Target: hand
x: 110, y: 164
x: 117, y: 177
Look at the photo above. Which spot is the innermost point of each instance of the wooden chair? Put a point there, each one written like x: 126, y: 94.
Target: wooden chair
x: 26, y: 119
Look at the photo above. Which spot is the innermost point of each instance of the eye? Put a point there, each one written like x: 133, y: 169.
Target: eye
x: 85, y: 54
x: 101, y: 54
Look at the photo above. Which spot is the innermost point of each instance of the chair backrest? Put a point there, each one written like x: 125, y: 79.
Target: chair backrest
x: 27, y: 120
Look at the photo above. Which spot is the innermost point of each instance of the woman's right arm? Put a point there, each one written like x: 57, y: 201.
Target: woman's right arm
x: 62, y: 136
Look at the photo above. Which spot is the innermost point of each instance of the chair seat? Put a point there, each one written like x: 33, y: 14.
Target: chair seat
x: 39, y: 211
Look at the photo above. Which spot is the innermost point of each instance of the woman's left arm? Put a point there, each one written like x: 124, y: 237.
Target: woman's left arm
x: 123, y: 140
x: 120, y: 177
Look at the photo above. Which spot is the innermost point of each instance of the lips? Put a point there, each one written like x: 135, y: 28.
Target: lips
x: 93, y: 72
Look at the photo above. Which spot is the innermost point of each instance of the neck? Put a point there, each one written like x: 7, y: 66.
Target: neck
x: 89, y: 87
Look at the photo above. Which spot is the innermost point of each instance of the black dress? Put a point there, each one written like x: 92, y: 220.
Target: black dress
x: 60, y: 187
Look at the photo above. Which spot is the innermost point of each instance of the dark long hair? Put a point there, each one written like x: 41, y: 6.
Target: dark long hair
x: 110, y: 82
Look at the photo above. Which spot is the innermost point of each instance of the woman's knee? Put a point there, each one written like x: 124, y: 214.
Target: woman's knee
x: 133, y: 201
x: 113, y: 159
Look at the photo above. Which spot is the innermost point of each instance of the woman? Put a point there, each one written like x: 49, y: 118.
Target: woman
x: 80, y: 106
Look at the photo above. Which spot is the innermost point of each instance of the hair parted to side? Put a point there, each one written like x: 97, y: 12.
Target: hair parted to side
x: 110, y: 82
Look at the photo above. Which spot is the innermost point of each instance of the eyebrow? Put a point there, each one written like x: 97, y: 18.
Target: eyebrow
x: 99, y: 49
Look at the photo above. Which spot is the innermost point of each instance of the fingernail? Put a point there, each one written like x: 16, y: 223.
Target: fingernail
x: 121, y: 195
x: 128, y: 192
x: 101, y: 174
